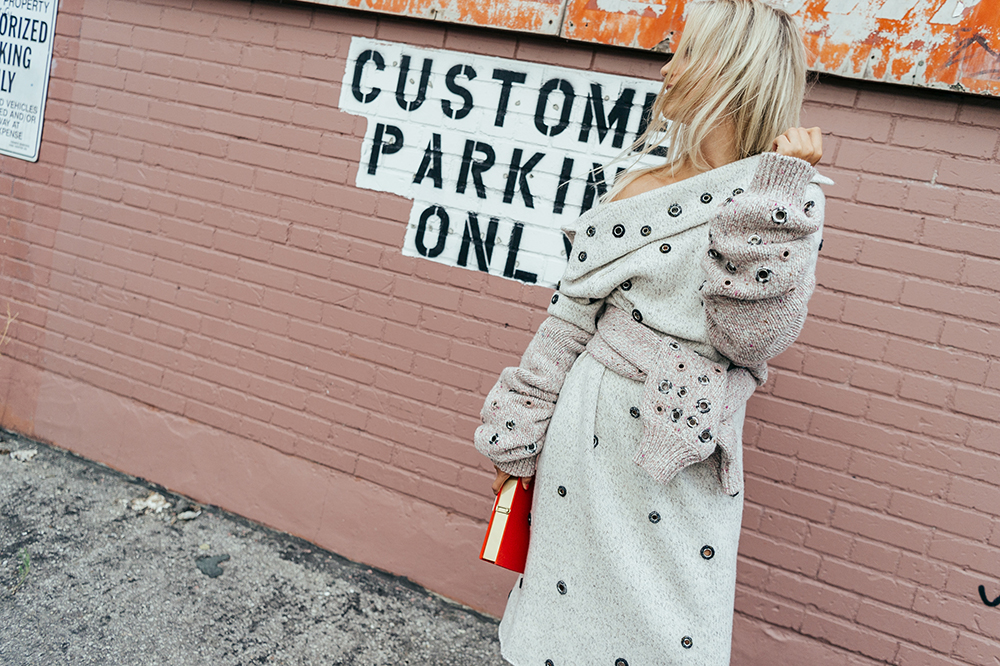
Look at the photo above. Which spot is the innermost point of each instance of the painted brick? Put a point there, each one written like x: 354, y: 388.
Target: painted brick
x: 910, y: 259
x: 938, y: 361
x: 879, y: 527
x: 906, y: 626
x: 859, y: 280
x: 850, y: 636
x: 892, y: 319
x: 873, y: 158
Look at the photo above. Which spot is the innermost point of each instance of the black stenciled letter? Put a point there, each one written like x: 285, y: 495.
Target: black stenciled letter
x: 431, y: 164
x: 647, y: 113
x: 477, y: 167
x: 359, y: 68
x: 380, y: 147
x: 404, y: 72
x: 517, y: 177
x: 449, y: 80
x: 596, y: 187
x: 512, y: 248
x: 618, y: 117
x: 563, y: 188
x: 442, y: 216
x: 566, y: 88
x: 483, y: 247
x: 508, y: 78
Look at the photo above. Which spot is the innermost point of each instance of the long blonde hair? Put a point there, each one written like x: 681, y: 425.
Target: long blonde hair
x: 745, y: 61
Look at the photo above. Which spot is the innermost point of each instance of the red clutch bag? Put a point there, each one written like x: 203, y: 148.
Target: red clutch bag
x: 506, y: 542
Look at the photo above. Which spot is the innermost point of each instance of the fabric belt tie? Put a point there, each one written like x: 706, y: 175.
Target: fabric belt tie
x: 688, y: 402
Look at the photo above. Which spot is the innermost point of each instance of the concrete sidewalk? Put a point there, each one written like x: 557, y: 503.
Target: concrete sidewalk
x: 88, y: 577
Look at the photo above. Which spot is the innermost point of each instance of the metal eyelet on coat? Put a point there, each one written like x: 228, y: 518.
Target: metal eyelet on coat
x: 634, y: 411
x: 621, y: 662
x: 561, y: 587
x: 531, y: 448
x: 731, y: 267
x: 682, y: 392
x: 692, y: 421
x: 595, y: 441
x: 555, y: 298
x: 591, y: 231
x: 673, y: 345
x: 705, y: 436
x: 808, y: 207
x: 665, y: 248
x: 686, y: 642
x: 582, y: 256
x: 654, y: 517
x: 548, y: 662
x: 706, y: 198
x: 646, y: 230
x: 676, y: 414
x: 674, y: 210
x: 562, y: 491
x: 704, y: 380
x: 510, y: 425
x: 704, y: 406
x: 754, y: 240
x: 714, y: 253
x: 779, y: 215
x: 665, y: 386
x: 707, y: 552
x: 626, y: 285
x: 495, y: 438
x: 738, y: 191
x: 637, y: 316
x: 618, y: 230
x: 764, y: 275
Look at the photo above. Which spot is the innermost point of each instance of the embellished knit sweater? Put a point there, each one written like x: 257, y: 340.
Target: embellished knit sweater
x: 691, y: 287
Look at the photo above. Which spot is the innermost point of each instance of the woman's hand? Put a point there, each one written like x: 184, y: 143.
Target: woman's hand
x: 502, y: 478
x: 806, y: 144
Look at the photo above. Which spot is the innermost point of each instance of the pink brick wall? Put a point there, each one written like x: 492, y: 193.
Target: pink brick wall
x: 204, y: 299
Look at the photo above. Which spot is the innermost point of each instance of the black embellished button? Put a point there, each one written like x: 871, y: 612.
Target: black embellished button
x: 730, y: 267
x: 779, y: 215
x: 666, y: 247
x: 704, y: 380
x: 621, y: 662
x: 495, y: 438
x: 706, y: 198
x: 676, y: 414
x: 764, y: 275
x: 555, y: 298
x: 562, y: 491
x: 665, y: 386
x: 714, y: 253
x: 686, y: 642
x: 582, y: 256
x: 618, y: 230
x: 646, y: 230
x: 754, y: 240
x: 634, y: 411
x: 674, y: 210
x: 591, y: 231
x: 707, y: 552
x: 595, y: 441
x: 704, y: 406
x: 654, y: 517
x: 637, y: 316
x: 809, y: 206
x: 561, y: 586
x: 692, y: 421
x: 510, y: 425
x: 705, y: 436
x: 626, y: 285
x: 738, y: 191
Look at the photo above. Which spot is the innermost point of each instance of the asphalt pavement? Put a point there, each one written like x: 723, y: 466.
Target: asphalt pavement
x: 97, y: 567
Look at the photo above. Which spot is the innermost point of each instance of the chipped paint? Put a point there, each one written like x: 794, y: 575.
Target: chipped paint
x: 950, y: 44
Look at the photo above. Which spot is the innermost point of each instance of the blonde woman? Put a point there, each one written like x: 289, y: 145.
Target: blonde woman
x: 628, y: 405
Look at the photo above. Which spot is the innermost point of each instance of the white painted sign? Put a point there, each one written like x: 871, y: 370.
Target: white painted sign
x: 27, y: 30
x: 496, y: 154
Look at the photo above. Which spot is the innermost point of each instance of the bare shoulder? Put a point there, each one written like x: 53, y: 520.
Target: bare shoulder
x: 642, y: 183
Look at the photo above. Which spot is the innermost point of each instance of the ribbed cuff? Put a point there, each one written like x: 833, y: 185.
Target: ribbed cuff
x: 782, y: 177
x: 519, y: 468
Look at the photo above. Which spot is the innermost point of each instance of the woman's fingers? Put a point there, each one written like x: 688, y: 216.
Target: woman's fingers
x: 806, y: 144
x: 500, y: 480
x: 526, y: 482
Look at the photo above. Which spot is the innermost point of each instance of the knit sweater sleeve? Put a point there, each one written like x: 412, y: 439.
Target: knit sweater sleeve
x: 761, y: 262
x: 519, y: 407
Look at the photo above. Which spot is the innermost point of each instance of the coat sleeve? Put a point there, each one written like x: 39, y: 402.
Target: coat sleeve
x: 519, y: 407
x: 761, y: 262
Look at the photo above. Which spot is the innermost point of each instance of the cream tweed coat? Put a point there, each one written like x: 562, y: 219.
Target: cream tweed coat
x: 636, y: 565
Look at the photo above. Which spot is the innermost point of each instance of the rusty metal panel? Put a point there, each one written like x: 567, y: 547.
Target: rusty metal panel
x: 537, y: 16
x: 953, y: 44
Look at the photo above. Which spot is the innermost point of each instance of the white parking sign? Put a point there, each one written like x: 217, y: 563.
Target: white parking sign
x: 27, y: 29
